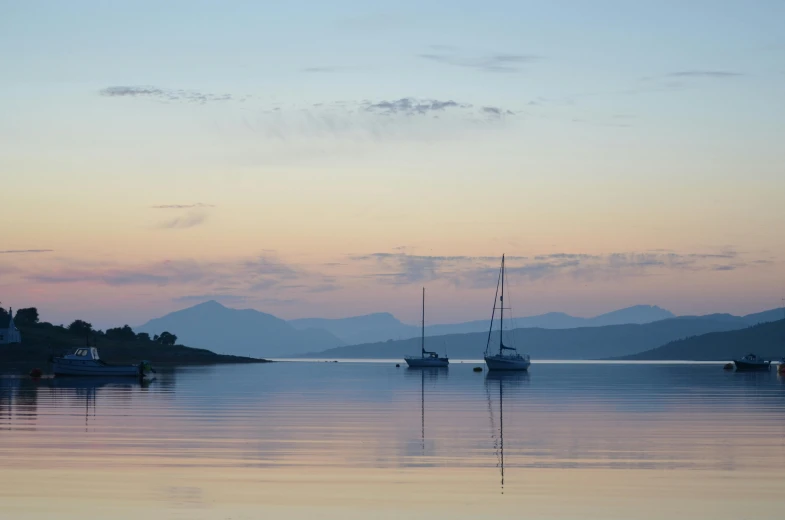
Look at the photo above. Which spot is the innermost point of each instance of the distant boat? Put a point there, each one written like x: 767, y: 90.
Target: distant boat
x: 751, y: 362
x: 86, y: 362
x: 427, y: 359
x: 508, y: 358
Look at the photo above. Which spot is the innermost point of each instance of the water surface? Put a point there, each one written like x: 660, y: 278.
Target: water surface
x: 369, y: 440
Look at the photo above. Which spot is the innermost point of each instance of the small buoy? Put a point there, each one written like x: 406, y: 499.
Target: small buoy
x: 36, y: 372
x: 728, y: 366
x: 397, y: 365
x: 478, y: 369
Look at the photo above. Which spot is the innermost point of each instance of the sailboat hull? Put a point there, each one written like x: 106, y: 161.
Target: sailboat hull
x: 751, y: 366
x: 416, y: 362
x: 506, y: 363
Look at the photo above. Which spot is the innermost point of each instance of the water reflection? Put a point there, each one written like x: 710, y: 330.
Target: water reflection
x: 18, y: 404
x: 431, y: 375
x: 327, y: 430
x: 498, y: 381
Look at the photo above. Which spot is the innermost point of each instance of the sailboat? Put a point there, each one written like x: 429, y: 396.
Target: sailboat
x: 508, y: 358
x: 427, y: 359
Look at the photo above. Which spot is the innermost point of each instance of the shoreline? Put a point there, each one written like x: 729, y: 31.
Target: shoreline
x: 21, y: 358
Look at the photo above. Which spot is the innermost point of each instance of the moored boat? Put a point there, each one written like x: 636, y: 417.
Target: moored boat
x: 751, y: 362
x: 508, y: 357
x: 85, y: 361
x: 427, y: 359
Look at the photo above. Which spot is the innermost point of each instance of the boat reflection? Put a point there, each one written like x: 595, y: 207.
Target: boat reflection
x: 428, y: 373
x: 431, y: 374
x: 494, y: 381
x: 510, y: 379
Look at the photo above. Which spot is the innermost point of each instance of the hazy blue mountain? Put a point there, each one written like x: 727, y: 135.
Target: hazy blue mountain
x: 575, y: 343
x: 766, y: 340
x: 383, y: 326
x: 369, y: 328
x: 245, y: 332
x: 749, y: 319
x: 636, y: 314
x: 765, y: 316
x: 729, y: 318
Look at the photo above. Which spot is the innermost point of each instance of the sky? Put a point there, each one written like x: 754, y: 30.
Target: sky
x: 330, y: 158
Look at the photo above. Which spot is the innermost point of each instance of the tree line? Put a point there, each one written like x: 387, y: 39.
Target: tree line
x: 83, y: 328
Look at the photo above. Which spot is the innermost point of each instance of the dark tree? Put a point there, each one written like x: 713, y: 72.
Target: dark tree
x: 80, y: 327
x: 167, y: 338
x: 124, y: 333
x: 156, y: 338
x: 143, y: 336
x: 26, y: 316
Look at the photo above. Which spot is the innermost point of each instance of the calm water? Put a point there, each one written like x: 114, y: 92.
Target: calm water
x: 368, y: 440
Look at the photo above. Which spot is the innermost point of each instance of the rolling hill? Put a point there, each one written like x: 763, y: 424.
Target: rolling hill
x: 577, y: 343
x: 766, y: 340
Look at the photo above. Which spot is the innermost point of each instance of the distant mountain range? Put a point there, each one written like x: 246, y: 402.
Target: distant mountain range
x: 247, y: 332
x: 578, y: 343
x: 379, y: 326
x: 383, y: 326
x: 766, y: 340
x: 240, y: 332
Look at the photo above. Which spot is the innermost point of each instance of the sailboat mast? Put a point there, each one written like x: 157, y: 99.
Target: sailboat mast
x: 501, y: 308
x: 422, y: 338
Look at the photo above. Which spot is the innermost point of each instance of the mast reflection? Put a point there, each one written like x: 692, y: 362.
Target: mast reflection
x: 500, y: 380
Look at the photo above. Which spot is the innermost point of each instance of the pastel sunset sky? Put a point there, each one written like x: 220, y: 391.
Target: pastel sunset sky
x: 330, y: 158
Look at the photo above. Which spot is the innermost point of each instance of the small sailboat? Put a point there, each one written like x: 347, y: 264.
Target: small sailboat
x: 751, y: 362
x: 508, y: 358
x: 86, y: 362
x: 427, y: 359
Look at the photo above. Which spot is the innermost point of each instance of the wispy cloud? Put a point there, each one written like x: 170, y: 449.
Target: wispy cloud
x: 496, y: 62
x: 325, y: 287
x: 250, y: 274
x: 402, y: 268
x: 183, y: 206
x: 716, y: 74
x: 189, y: 220
x: 405, y: 118
x: 497, y: 112
x: 195, y: 215
x: 164, y: 94
x: 25, y: 251
x: 411, y: 106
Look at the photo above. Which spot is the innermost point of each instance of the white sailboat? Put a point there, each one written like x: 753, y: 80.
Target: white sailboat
x: 508, y: 358
x: 427, y: 359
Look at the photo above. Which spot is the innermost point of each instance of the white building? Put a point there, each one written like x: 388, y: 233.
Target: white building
x: 8, y: 331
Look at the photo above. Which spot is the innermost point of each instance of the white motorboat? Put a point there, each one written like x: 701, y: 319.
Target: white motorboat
x: 508, y: 358
x: 427, y: 359
x: 86, y: 362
